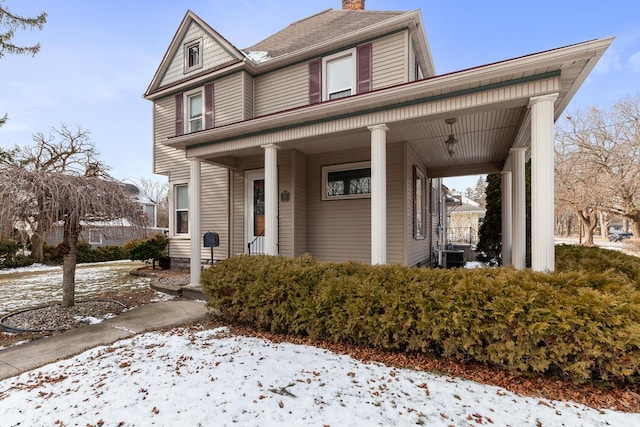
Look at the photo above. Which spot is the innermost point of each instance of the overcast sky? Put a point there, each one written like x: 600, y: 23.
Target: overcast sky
x: 98, y: 57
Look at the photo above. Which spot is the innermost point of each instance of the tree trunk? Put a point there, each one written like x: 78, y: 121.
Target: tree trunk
x: 39, y: 231
x: 37, y: 252
x: 635, y: 227
x: 590, y: 222
x: 69, y: 258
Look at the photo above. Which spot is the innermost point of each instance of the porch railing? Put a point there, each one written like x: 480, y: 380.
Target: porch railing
x: 256, y: 246
x: 466, y: 235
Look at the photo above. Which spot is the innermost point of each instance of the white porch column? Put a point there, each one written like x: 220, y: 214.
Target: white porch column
x: 194, y: 222
x: 542, y: 190
x: 378, y: 194
x: 507, y: 219
x: 519, y: 223
x: 270, y: 199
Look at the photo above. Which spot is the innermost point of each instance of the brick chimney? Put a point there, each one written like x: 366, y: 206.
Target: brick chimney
x: 353, y: 4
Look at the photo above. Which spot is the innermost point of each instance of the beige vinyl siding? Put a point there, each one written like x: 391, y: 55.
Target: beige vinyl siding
x: 389, y: 61
x: 396, y: 203
x: 337, y: 230
x: 237, y: 212
x: 179, y: 248
x: 213, y: 55
x: 248, y: 83
x: 215, y: 208
x: 282, y: 89
x: 418, y: 250
x: 299, y: 199
x: 285, y: 209
x: 228, y: 100
x: 165, y: 158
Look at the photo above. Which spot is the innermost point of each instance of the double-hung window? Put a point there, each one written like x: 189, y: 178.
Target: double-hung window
x: 339, y: 75
x: 194, y: 112
x: 181, y: 201
x: 419, y: 203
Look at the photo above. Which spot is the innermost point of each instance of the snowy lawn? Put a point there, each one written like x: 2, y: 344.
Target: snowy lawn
x: 39, y: 285
x: 208, y: 377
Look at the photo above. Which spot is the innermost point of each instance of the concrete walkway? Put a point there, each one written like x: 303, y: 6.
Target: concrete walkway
x: 25, y: 357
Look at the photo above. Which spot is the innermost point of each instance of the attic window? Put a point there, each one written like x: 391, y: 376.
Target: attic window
x: 193, y: 55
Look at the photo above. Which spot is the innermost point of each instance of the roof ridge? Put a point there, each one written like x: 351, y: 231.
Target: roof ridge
x: 309, y: 17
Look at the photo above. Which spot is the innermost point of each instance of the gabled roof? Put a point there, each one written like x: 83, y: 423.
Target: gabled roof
x: 176, y: 44
x: 303, y: 39
x: 319, y: 28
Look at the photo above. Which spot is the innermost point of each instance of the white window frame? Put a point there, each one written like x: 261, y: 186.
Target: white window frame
x: 187, y: 46
x: 187, y: 110
x: 92, y: 233
x: 173, y: 220
x: 419, y: 204
x: 342, y: 167
x: 325, y: 71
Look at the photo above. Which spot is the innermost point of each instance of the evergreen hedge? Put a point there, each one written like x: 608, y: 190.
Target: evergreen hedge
x: 581, y: 325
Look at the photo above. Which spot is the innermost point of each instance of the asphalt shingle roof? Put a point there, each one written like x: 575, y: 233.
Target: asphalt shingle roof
x: 317, y: 29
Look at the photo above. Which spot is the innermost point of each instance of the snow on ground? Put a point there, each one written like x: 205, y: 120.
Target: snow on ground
x: 32, y: 286
x: 187, y: 378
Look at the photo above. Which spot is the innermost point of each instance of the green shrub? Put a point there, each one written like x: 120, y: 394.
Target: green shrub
x: 15, y: 261
x: 52, y: 255
x: 9, y: 256
x: 151, y: 249
x: 580, y: 325
x: 593, y: 259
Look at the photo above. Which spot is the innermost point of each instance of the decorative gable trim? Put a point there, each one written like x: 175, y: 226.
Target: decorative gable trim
x: 177, y: 47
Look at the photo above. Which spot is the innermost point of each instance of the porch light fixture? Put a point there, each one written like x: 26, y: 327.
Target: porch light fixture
x: 451, y: 141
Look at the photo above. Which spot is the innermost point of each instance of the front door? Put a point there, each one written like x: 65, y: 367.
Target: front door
x: 254, y: 196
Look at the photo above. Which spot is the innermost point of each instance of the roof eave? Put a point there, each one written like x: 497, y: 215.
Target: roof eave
x: 388, y: 96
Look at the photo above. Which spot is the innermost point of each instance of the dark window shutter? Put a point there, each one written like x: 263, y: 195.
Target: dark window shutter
x: 364, y: 68
x: 179, y: 115
x: 315, y: 84
x: 208, y: 107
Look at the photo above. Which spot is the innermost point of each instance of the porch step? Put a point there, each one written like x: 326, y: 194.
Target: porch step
x: 192, y: 292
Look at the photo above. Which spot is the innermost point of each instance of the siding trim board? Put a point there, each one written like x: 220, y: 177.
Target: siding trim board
x: 423, y: 100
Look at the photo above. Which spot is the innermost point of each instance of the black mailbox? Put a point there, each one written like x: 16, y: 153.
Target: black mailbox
x: 211, y: 240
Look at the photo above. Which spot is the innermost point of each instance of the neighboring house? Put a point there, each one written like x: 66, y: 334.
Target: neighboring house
x: 114, y: 232
x: 464, y: 219
x: 329, y: 137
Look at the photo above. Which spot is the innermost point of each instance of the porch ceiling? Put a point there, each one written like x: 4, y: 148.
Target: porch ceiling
x: 484, y: 140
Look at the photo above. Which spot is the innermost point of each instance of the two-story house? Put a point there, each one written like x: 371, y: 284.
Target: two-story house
x: 331, y: 136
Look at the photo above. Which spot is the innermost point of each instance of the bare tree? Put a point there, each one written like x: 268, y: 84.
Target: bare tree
x: 158, y: 193
x: 623, y: 169
x: 601, y: 151
x: 70, y: 198
x: 576, y: 175
x: 9, y: 23
x: 64, y: 150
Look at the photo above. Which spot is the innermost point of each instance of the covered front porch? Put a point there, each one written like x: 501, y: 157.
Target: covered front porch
x: 504, y: 112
